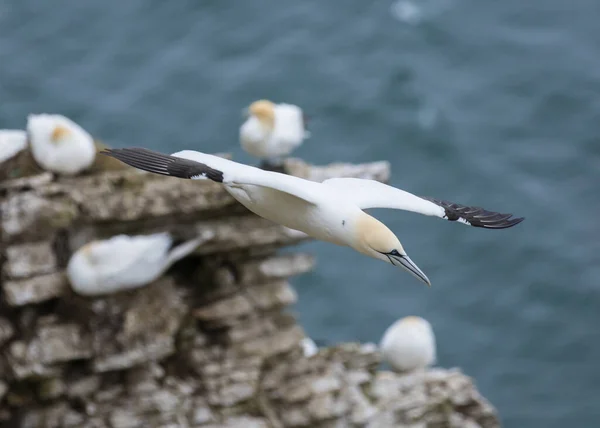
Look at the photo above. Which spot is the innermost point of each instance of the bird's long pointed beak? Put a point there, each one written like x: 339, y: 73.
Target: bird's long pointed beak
x: 409, y: 265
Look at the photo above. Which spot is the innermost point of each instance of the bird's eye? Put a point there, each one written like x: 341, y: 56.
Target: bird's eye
x: 395, y: 253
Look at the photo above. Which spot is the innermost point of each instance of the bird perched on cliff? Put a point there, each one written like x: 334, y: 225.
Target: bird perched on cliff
x: 16, y: 159
x: 408, y: 344
x: 60, y: 145
x: 12, y: 141
x: 124, y: 262
x: 309, y: 347
x: 272, y: 131
x: 330, y: 211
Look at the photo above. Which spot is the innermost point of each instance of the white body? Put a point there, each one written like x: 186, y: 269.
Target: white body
x: 326, y: 211
x: 12, y: 141
x: 330, y: 222
x: 70, y: 154
x: 331, y: 211
x: 309, y: 347
x: 287, y: 133
x: 409, y: 344
x: 123, y: 262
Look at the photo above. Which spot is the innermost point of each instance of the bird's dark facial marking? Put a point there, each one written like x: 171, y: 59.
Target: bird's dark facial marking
x: 343, y: 222
x: 393, y: 253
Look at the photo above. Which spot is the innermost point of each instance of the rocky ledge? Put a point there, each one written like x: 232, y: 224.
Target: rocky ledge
x: 209, y: 344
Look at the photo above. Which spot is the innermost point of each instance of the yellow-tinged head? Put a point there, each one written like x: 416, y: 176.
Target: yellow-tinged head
x: 376, y: 240
x: 413, y: 319
x: 59, y: 133
x: 264, y: 111
x: 376, y: 235
x: 87, y: 249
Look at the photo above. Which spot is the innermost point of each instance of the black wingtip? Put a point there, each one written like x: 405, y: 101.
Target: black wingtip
x: 516, y: 221
x: 502, y: 221
x: 159, y: 163
x: 501, y: 225
x: 115, y: 153
x: 476, y: 216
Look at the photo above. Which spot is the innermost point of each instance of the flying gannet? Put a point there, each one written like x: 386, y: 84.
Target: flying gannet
x: 408, y: 344
x: 330, y: 211
x: 272, y: 131
x: 124, y: 262
x: 12, y: 141
x: 60, y: 145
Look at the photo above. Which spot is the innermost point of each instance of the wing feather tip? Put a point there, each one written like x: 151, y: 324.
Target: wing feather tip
x: 475, y: 216
x: 505, y: 224
x: 517, y: 220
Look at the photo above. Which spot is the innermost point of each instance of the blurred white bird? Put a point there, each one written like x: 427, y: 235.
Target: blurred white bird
x: 60, y: 145
x: 409, y: 344
x: 12, y: 141
x: 309, y: 347
x: 272, y: 131
x: 124, y: 262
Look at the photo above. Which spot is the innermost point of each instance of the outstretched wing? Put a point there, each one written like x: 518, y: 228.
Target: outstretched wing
x: 201, y: 166
x: 373, y: 194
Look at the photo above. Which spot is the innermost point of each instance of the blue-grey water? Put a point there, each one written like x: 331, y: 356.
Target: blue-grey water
x: 488, y: 103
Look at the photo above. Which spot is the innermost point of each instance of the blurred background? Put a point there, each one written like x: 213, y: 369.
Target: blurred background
x: 485, y: 103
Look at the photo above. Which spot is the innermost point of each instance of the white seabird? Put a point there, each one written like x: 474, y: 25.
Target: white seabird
x: 409, y: 344
x: 124, y: 262
x: 60, y: 145
x: 330, y: 211
x: 272, y: 131
x: 12, y: 141
x: 309, y: 347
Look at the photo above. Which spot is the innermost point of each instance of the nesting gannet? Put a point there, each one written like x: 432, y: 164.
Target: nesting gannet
x: 124, y: 262
x: 60, y: 145
x: 309, y: 347
x: 272, y: 131
x: 408, y: 344
x: 330, y: 211
x: 12, y: 141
